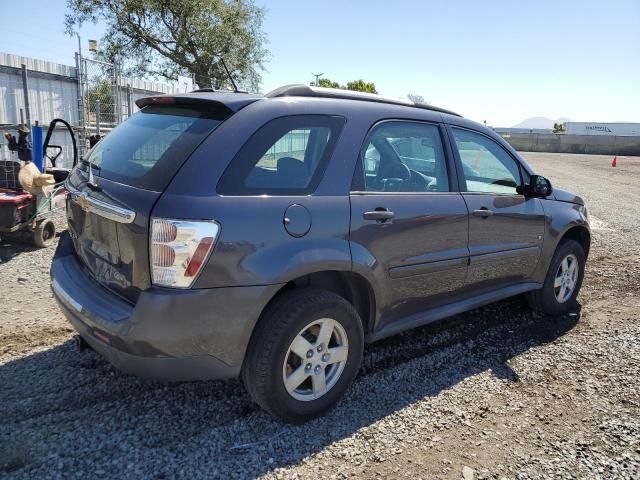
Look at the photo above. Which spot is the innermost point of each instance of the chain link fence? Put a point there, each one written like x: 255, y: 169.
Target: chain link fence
x: 94, y: 97
x: 100, y: 93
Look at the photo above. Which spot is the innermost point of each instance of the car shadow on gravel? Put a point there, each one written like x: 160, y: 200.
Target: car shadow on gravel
x: 71, y: 411
x: 14, y: 244
x: 11, y: 250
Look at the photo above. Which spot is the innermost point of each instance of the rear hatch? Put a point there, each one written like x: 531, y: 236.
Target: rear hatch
x: 108, y: 218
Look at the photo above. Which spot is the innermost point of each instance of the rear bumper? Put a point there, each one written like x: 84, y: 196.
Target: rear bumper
x: 168, y: 334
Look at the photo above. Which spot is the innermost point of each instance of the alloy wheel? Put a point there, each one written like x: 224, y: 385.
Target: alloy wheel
x: 315, y: 359
x: 566, y: 278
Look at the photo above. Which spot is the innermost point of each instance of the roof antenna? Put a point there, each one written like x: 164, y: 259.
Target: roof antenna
x: 235, y: 87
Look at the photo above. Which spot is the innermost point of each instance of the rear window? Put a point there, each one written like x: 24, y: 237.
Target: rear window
x: 287, y: 156
x: 148, y: 149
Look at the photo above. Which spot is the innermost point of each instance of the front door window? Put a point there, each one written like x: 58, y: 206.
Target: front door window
x: 486, y: 166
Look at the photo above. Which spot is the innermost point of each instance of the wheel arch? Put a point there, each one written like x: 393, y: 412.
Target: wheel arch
x: 351, y: 286
x: 580, y: 234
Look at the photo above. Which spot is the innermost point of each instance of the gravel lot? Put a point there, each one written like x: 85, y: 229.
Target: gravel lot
x: 495, y: 393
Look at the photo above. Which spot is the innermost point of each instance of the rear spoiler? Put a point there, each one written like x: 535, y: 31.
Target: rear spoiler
x: 229, y: 102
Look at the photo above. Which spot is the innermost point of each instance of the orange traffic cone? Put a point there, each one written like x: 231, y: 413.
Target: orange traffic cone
x: 615, y: 161
x: 476, y: 161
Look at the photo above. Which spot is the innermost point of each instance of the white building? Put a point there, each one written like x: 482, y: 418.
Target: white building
x: 594, y: 128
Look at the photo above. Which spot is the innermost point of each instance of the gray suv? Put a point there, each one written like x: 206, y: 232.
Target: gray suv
x: 214, y: 235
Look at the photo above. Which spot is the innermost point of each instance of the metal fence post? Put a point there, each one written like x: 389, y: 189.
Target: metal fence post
x: 129, y: 100
x: 82, y: 119
x: 115, y: 95
x: 25, y: 90
x: 97, y: 117
x: 80, y: 95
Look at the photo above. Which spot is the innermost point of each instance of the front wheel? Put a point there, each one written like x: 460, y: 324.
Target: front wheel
x: 304, y: 354
x: 563, y: 281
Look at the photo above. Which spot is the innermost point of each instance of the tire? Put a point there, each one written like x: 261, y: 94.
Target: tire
x: 546, y: 299
x: 270, y: 356
x: 44, y: 233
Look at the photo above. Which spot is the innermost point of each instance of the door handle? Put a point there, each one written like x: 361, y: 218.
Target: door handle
x: 483, y: 212
x: 380, y: 214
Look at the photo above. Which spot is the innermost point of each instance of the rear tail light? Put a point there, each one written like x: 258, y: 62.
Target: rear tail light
x: 179, y: 250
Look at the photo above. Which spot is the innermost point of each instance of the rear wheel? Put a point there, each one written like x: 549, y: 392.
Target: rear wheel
x: 44, y: 232
x: 563, y: 281
x: 304, y: 354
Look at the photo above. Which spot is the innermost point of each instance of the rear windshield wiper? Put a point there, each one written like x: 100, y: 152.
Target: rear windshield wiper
x: 89, y: 164
x: 90, y: 183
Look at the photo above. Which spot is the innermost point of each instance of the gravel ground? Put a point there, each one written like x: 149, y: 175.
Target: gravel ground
x: 495, y: 393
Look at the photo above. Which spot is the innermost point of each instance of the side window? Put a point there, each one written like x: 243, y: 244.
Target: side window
x: 404, y: 157
x: 486, y: 166
x: 287, y: 156
x: 371, y: 160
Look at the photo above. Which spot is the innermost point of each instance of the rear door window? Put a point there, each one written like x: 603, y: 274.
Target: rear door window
x: 148, y: 149
x: 402, y: 156
x: 287, y: 156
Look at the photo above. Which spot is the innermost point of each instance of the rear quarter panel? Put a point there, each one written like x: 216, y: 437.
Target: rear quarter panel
x: 253, y: 246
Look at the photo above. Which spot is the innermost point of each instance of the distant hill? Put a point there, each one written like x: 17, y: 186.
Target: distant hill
x: 540, y: 122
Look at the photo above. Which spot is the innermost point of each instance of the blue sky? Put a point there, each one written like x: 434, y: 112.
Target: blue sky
x: 500, y: 61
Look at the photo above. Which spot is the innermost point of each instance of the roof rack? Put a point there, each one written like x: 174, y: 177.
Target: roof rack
x: 320, y: 92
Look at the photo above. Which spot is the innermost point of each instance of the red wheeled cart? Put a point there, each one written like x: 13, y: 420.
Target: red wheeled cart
x: 25, y: 212
x: 21, y: 211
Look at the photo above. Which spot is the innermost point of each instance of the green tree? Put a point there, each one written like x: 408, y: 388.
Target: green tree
x: 326, y: 83
x: 415, y: 98
x: 357, y: 85
x: 558, y: 128
x: 166, y: 38
x: 100, y: 92
x: 362, y: 86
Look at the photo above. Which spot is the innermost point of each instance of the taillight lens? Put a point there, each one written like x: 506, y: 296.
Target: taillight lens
x: 179, y: 250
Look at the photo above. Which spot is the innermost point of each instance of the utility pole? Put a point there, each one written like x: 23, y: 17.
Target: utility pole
x: 25, y: 92
x: 317, y: 75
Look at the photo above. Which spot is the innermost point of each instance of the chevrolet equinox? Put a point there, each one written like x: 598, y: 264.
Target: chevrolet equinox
x: 215, y: 235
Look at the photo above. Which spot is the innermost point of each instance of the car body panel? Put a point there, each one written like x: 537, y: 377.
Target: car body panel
x: 420, y: 256
x: 213, y: 324
x: 560, y: 217
x: 116, y: 254
x: 457, y: 306
x: 565, y: 196
x: 254, y: 247
x: 504, y: 247
x: 230, y: 100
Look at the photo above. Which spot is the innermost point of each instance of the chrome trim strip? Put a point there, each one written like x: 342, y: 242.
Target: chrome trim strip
x: 65, y: 296
x: 99, y: 207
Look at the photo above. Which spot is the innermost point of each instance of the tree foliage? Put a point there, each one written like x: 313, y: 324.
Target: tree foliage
x: 166, y: 38
x: 558, y: 128
x: 415, y: 98
x: 100, y: 92
x: 362, y: 86
x: 326, y: 83
x: 357, y: 85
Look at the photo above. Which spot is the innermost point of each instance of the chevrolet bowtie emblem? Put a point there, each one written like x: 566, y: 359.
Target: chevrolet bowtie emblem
x: 83, y: 201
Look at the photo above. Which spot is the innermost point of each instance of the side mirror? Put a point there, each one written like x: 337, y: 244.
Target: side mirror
x: 539, y: 186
